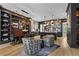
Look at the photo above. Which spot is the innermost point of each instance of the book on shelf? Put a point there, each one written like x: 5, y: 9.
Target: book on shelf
x: 5, y: 14
x: 4, y: 39
x: 5, y: 34
x: 5, y: 20
x: 5, y: 29
x: 5, y: 24
x: 15, y: 25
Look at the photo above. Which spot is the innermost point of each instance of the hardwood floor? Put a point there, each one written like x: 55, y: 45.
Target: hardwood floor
x: 11, y: 50
x: 63, y: 50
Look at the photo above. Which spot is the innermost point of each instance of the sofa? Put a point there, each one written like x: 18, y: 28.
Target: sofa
x: 48, y: 40
x: 31, y: 46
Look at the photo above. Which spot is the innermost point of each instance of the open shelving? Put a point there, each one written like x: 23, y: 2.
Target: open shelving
x: 73, y: 25
x: 5, y: 26
x: 8, y: 19
x: 52, y: 26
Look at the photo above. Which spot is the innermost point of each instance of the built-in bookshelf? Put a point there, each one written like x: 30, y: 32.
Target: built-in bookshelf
x: 8, y: 19
x: 15, y: 21
x: 4, y: 26
x: 73, y: 25
x: 77, y: 30
x: 52, y: 26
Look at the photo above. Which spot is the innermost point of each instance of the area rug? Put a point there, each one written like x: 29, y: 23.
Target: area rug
x: 43, y: 52
x: 46, y: 50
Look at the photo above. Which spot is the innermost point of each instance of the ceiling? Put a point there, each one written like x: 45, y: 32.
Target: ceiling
x: 42, y: 11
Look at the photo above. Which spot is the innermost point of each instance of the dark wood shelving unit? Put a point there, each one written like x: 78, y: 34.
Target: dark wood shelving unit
x: 54, y: 24
x: 77, y: 33
x: 15, y: 19
x: 7, y: 17
x: 4, y: 26
x: 73, y: 25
